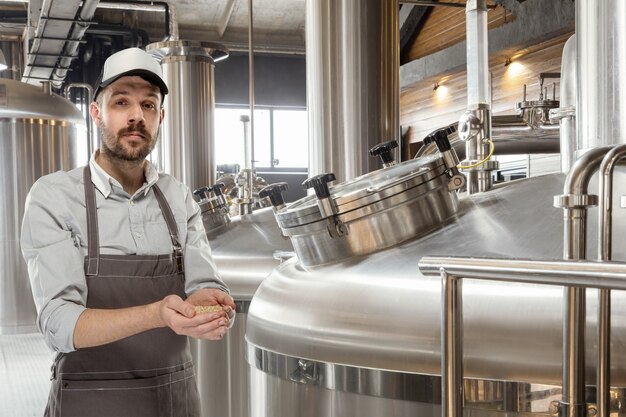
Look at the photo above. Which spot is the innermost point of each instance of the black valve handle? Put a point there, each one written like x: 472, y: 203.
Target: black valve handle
x: 384, y: 151
x: 201, y: 192
x: 218, y: 189
x: 275, y: 193
x: 440, y: 138
x: 320, y: 184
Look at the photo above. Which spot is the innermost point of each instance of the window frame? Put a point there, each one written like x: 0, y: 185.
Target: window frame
x: 271, y: 109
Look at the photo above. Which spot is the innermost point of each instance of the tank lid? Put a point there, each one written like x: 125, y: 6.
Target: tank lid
x: 21, y: 100
x: 365, y: 190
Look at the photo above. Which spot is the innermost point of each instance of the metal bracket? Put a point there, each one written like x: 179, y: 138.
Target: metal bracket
x: 337, y: 228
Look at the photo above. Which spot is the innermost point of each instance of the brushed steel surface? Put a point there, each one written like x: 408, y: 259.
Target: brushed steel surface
x: 35, y: 141
x: 245, y: 252
x: 567, y: 99
x: 352, y: 83
x: 186, y: 149
x: 601, y: 95
x: 379, y: 312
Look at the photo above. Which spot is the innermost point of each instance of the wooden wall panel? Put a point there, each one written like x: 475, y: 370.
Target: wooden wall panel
x: 445, y: 26
x: 423, y: 109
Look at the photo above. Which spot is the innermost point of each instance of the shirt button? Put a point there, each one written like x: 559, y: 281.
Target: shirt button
x: 132, y: 202
x: 138, y: 235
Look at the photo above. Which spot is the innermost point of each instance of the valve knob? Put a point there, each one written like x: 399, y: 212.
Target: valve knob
x: 275, y: 193
x: 384, y: 151
x: 440, y: 138
x: 320, y: 184
x: 218, y: 189
x: 201, y: 193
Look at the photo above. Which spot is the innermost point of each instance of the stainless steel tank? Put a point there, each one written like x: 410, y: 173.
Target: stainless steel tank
x: 186, y: 148
x: 355, y: 330
x: 41, y: 133
x: 353, y: 58
x: 246, y: 249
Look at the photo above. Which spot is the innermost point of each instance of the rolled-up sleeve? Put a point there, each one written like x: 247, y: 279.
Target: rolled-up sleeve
x: 55, y: 266
x: 200, y: 269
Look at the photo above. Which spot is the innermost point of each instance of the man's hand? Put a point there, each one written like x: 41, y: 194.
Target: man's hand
x: 181, y: 316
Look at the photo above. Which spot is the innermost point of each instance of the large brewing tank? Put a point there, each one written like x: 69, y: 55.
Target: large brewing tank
x: 351, y: 327
x: 186, y: 149
x: 246, y: 249
x: 41, y: 133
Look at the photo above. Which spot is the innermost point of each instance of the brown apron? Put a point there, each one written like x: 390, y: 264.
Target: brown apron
x: 150, y: 374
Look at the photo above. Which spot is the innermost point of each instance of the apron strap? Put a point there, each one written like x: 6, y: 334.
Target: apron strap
x: 171, y: 226
x: 93, y: 257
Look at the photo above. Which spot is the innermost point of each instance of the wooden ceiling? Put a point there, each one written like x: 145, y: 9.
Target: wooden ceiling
x: 445, y: 26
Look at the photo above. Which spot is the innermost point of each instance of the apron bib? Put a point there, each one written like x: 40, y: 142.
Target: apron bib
x: 149, y: 374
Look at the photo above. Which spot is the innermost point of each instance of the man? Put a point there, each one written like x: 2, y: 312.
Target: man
x: 118, y: 258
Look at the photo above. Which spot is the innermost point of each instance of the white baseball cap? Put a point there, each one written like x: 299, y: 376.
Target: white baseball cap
x: 131, y: 61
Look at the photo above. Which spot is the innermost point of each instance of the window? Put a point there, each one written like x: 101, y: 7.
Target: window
x: 280, y: 139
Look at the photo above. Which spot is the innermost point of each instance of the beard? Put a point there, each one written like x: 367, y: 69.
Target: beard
x: 113, y: 148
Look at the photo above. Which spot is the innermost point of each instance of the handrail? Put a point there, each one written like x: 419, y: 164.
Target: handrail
x: 568, y: 273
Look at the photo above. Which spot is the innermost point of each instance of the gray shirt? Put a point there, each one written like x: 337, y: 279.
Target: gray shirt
x: 54, y: 240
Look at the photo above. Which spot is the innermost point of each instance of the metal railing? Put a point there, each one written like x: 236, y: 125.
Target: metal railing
x: 581, y: 274
x: 573, y: 273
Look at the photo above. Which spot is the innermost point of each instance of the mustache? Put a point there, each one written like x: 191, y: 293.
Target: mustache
x: 137, y: 128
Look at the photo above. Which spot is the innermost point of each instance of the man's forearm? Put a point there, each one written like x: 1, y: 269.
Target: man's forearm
x: 97, y: 327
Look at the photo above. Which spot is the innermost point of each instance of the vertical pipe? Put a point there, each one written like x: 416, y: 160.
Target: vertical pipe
x: 605, y: 253
x: 568, y: 101
x: 451, y: 346
x: 478, y: 96
x: 251, y: 77
x: 574, y: 248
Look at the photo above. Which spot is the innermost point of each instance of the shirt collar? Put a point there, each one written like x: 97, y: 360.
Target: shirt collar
x: 104, y: 182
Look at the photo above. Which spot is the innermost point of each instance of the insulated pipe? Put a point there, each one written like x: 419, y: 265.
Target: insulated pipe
x: 87, y: 10
x: 478, y: 99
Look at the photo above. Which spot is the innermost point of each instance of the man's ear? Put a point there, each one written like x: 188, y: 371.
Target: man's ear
x: 162, y: 115
x: 95, y: 112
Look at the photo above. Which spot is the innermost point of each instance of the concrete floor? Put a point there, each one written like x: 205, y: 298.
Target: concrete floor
x: 24, y: 375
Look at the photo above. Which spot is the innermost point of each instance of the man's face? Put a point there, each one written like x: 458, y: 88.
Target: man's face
x: 129, y: 117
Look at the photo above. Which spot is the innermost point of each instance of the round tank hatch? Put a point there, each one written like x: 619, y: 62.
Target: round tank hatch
x: 369, y: 213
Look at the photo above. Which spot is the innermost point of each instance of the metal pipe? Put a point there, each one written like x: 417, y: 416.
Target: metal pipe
x: 451, y: 346
x: 605, y: 253
x: 436, y: 3
x: 89, y: 88
x: 587, y: 274
x: 251, y: 77
x: 478, y: 99
x: 85, y: 14
x: 510, y: 135
x: 574, y: 203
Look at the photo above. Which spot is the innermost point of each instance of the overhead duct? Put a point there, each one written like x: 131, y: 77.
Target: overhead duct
x: 352, y: 83
x: 56, y: 38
